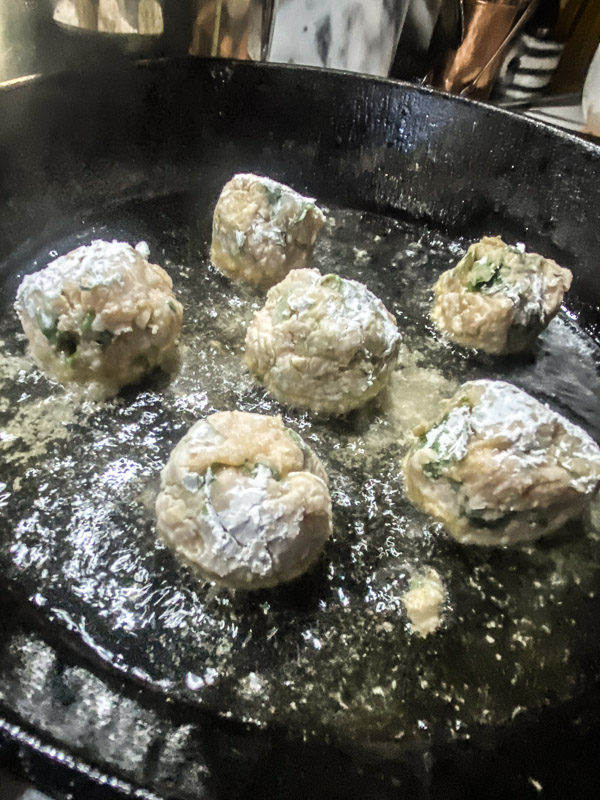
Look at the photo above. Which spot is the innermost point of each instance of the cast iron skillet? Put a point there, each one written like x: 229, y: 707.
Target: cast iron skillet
x: 142, y: 154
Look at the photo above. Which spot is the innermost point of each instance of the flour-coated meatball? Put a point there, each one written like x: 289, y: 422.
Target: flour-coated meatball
x: 499, y: 298
x: 100, y: 314
x: 501, y: 467
x: 262, y: 229
x: 244, y: 500
x: 322, y: 342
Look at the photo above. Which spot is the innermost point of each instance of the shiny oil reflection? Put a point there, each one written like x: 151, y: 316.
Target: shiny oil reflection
x: 335, y: 648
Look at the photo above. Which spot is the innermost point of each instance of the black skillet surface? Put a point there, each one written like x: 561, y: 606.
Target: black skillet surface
x: 143, y: 155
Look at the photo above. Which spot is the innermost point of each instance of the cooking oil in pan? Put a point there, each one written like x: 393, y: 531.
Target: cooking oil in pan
x: 334, y: 649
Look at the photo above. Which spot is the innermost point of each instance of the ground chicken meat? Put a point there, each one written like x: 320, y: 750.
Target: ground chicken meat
x: 262, y: 229
x: 244, y: 500
x: 501, y: 467
x: 499, y: 298
x: 322, y: 342
x: 100, y: 314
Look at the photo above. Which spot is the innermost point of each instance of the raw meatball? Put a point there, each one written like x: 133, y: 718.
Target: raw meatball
x: 501, y: 467
x: 322, y: 342
x: 262, y: 229
x: 244, y: 500
x: 101, y: 313
x: 499, y: 298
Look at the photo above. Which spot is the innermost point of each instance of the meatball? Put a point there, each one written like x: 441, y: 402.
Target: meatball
x: 499, y: 298
x: 101, y: 313
x: 322, y: 342
x: 244, y: 500
x: 262, y: 229
x: 501, y: 467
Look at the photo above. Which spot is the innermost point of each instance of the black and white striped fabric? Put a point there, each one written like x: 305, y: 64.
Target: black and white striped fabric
x: 528, y: 67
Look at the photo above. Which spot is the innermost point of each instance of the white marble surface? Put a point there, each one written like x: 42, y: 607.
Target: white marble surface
x: 356, y: 35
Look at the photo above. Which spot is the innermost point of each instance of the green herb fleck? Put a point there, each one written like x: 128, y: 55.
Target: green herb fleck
x: 435, y: 469
x: 282, y: 310
x: 91, y: 288
x: 86, y: 322
x: 273, y: 195
x: 333, y: 280
x: 210, y: 474
x: 296, y: 438
x: 172, y: 306
x: 104, y: 338
x: 484, y: 275
x: 463, y: 268
x: 447, y: 440
x: 63, y: 341
x: 215, y: 468
x: 306, y: 207
x: 47, y: 324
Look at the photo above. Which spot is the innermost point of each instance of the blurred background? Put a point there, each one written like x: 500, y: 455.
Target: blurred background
x: 530, y: 55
